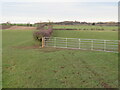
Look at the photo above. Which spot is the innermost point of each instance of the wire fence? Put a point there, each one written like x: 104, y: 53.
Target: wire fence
x: 84, y: 44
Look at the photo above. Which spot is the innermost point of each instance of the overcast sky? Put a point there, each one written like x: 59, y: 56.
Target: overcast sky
x: 33, y: 11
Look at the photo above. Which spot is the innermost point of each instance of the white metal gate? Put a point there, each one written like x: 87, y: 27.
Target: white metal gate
x: 84, y: 44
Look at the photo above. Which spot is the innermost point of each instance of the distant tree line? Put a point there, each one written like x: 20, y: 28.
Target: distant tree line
x: 18, y: 24
x: 64, y: 23
x: 82, y: 23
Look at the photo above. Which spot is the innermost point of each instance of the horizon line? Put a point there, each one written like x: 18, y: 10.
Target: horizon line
x: 60, y: 21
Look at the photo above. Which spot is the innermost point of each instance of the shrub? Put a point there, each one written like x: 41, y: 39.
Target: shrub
x: 42, y: 31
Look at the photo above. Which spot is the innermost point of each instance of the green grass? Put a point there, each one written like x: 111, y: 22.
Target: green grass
x: 109, y: 35
x: 55, y: 68
x: 87, y: 27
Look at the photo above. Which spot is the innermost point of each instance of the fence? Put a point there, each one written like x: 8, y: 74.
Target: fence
x: 84, y: 44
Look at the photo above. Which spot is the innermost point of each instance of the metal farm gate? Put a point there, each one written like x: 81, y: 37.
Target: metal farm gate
x: 83, y: 44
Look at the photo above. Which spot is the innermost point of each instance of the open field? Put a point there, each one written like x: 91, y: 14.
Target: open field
x: 109, y: 35
x: 65, y: 27
x: 87, y: 27
x: 26, y: 65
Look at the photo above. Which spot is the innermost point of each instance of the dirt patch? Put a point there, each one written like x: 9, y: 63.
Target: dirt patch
x: 4, y: 26
x: 19, y: 28
x: 50, y: 49
x: 28, y: 47
x: 38, y: 47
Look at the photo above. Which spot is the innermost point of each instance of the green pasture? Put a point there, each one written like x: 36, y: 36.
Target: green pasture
x: 87, y: 27
x: 108, y: 35
x: 25, y: 67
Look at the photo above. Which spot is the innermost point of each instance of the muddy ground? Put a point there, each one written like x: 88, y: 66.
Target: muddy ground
x: 8, y: 27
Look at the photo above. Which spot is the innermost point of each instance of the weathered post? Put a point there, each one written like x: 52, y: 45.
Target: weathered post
x: 43, y: 42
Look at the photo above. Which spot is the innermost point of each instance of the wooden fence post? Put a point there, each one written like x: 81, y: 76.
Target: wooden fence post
x: 43, y: 42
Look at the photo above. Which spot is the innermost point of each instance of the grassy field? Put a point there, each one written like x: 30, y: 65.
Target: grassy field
x: 24, y: 66
x: 87, y: 27
x: 109, y: 35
